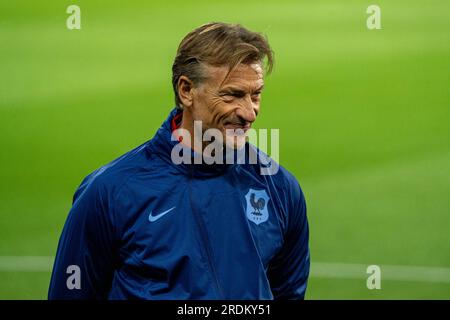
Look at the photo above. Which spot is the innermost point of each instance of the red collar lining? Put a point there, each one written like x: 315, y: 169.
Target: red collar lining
x: 176, y: 123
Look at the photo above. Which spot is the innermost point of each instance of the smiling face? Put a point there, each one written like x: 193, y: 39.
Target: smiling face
x: 227, y: 105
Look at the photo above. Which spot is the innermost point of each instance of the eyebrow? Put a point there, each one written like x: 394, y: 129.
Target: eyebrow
x: 235, y: 90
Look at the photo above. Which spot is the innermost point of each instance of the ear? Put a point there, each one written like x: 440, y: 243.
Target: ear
x: 185, y: 91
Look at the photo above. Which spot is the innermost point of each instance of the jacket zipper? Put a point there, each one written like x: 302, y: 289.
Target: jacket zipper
x: 206, y: 242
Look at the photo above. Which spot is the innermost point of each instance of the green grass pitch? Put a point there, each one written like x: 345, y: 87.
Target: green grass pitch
x: 363, y: 118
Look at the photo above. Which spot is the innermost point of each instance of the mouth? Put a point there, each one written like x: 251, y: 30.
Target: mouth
x: 237, y: 126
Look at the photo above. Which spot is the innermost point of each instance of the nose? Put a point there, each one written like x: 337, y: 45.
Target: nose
x: 247, y: 110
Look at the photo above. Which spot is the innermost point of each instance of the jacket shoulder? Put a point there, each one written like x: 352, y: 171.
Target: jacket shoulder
x: 110, y: 177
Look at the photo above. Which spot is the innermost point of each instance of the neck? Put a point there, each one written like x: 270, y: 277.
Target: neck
x: 196, y: 142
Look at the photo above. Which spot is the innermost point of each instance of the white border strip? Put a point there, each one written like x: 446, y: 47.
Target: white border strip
x: 318, y: 269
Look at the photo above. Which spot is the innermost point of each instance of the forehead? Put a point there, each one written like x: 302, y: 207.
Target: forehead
x: 246, y: 75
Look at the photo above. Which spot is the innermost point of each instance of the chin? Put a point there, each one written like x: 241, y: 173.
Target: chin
x: 235, y: 143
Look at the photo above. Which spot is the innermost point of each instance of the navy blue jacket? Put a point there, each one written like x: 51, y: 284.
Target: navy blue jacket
x: 142, y: 227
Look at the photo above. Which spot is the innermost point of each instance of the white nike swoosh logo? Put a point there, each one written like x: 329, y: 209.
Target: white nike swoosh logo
x: 153, y: 218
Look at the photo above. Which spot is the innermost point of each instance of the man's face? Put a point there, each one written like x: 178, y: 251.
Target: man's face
x: 233, y: 104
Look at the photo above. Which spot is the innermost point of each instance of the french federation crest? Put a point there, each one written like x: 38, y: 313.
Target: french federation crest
x: 257, y: 202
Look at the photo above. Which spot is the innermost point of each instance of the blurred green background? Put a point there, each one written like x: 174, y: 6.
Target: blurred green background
x: 363, y: 117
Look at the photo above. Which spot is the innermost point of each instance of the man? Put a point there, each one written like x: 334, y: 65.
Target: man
x: 146, y: 227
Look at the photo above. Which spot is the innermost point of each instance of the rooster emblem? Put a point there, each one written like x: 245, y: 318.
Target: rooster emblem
x: 257, y: 206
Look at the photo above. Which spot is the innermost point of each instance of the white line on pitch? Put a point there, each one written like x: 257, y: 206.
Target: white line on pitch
x: 26, y: 263
x: 318, y: 269
x: 388, y: 272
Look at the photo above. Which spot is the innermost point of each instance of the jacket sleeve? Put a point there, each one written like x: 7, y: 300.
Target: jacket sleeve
x: 288, y: 272
x: 84, y: 262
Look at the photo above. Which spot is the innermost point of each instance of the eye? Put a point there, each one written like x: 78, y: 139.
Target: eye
x: 233, y: 95
x: 227, y: 97
x: 237, y: 94
x: 256, y: 95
